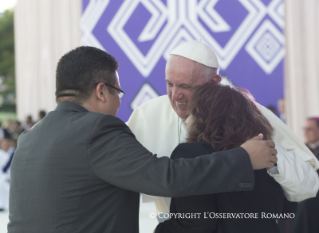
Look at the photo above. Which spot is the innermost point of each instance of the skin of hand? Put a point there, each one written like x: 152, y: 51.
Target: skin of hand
x: 262, y: 153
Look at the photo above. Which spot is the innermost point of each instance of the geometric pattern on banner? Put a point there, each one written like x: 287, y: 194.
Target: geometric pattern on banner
x: 145, y: 94
x: 89, y: 19
x: 183, y: 21
x: 246, y: 35
x: 267, y: 46
x: 276, y: 11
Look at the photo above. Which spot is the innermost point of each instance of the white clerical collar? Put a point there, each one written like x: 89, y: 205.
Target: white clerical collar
x: 182, y: 130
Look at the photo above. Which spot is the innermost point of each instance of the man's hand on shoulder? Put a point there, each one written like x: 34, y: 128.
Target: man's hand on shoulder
x: 262, y: 153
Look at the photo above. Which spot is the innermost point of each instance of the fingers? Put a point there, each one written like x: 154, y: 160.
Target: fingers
x: 262, y: 153
x: 271, y: 144
x: 258, y: 137
x: 273, y: 159
x: 273, y: 151
x: 270, y: 165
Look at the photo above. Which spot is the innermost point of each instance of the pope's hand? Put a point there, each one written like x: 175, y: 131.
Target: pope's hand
x: 262, y: 153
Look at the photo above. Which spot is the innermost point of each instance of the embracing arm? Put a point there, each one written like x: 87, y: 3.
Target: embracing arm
x: 119, y: 159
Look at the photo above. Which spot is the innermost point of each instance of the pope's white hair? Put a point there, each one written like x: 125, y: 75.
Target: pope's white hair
x: 201, y: 70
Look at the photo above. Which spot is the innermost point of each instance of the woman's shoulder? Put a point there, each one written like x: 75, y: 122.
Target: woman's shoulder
x: 191, y: 150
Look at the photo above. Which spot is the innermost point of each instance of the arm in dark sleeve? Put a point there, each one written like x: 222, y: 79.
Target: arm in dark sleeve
x: 119, y: 159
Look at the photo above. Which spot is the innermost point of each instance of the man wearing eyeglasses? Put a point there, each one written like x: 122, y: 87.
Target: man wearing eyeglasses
x: 81, y: 169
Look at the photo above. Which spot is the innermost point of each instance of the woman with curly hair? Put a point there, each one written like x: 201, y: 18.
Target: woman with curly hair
x: 222, y: 118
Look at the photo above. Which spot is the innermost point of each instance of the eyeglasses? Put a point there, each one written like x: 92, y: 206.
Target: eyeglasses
x: 120, y: 92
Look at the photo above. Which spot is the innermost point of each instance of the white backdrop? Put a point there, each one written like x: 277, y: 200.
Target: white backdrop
x: 44, y: 31
x: 302, y: 61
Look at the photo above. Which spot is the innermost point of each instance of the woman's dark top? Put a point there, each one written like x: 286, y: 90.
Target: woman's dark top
x: 267, y: 197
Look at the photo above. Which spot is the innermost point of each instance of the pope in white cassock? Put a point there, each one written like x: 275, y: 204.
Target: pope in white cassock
x: 159, y: 124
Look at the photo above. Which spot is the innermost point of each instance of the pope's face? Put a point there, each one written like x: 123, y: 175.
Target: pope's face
x: 181, y: 78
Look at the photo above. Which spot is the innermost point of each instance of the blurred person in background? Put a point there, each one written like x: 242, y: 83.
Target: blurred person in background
x: 9, y: 125
x: 282, y: 110
x: 307, y: 215
x: 1, y: 131
x: 5, y: 156
x: 16, y: 130
x: 272, y: 109
x: 311, y: 133
x: 28, y: 123
x: 42, y: 114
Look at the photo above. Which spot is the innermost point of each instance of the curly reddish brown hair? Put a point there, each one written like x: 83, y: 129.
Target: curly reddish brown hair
x: 225, y: 117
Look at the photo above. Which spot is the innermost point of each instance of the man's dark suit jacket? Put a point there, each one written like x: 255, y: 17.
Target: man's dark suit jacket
x: 266, y: 197
x: 81, y: 172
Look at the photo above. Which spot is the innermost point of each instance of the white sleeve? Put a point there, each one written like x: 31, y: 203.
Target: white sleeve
x: 297, y: 165
x: 288, y: 140
x: 298, y: 178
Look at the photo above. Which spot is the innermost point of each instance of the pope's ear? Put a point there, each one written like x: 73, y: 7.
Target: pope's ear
x: 217, y: 78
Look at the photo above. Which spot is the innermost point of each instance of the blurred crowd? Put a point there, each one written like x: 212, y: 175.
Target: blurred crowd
x: 306, y: 212
x: 10, y: 131
x: 281, y: 109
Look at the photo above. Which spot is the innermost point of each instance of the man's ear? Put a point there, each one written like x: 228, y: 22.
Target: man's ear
x: 217, y: 78
x: 100, y: 92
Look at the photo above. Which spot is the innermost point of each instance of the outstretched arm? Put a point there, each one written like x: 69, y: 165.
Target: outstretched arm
x: 119, y: 159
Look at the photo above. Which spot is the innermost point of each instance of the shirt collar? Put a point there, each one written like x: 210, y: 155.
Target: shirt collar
x: 80, y: 105
x: 71, y: 106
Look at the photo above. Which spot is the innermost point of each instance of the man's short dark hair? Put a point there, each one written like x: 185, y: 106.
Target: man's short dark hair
x: 79, y: 70
x: 316, y: 119
x: 42, y: 114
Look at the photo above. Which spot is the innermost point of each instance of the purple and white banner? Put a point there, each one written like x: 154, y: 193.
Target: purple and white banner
x: 246, y: 35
